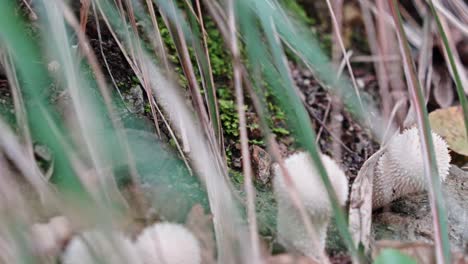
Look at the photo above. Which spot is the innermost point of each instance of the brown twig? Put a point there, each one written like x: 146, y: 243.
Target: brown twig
x: 244, y: 139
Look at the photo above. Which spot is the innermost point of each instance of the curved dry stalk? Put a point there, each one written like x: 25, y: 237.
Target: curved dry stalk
x: 214, y: 116
x: 231, y: 236
x: 343, y: 50
x: 16, y: 153
x: 441, y: 239
x: 136, y: 71
x: 274, y: 150
x: 20, y: 111
x: 160, y: 46
x: 57, y: 13
x: 246, y: 161
x: 379, y: 65
x: 450, y: 17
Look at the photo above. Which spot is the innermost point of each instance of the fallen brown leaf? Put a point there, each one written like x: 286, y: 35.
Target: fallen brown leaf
x: 449, y: 124
x: 360, y: 207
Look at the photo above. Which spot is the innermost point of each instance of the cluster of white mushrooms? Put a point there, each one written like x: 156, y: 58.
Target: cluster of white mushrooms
x: 399, y: 172
x: 160, y: 243
x: 165, y: 242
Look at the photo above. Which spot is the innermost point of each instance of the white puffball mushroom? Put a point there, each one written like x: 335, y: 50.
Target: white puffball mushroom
x: 61, y: 227
x: 48, y: 238
x: 100, y: 247
x: 44, y: 240
x: 306, y: 178
x: 168, y: 243
x: 400, y: 170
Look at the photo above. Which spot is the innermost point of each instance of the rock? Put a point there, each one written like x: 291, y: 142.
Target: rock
x: 261, y: 163
x: 43, y: 152
x: 409, y: 218
x: 135, y: 100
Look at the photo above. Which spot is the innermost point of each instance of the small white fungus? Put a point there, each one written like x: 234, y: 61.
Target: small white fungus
x: 306, y: 178
x: 168, y: 243
x: 400, y: 170
x: 48, y: 238
x: 99, y: 247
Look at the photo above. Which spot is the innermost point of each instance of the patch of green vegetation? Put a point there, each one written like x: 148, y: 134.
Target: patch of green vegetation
x: 147, y: 108
x: 6, y: 111
x: 238, y: 178
x: 228, y: 113
x: 220, y: 59
x: 221, y: 67
x: 298, y: 11
x: 280, y: 131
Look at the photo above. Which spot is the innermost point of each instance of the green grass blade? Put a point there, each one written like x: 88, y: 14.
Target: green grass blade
x: 35, y: 82
x: 277, y: 75
x: 439, y: 215
x: 204, y: 67
x: 453, y: 66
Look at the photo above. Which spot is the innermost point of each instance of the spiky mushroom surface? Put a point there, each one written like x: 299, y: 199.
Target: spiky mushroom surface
x: 307, y: 180
x: 400, y: 170
x: 100, y: 247
x: 168, y: 243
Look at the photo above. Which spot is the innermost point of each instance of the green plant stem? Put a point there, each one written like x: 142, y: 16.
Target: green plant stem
x: 441, y: 239
x: 453, y: 66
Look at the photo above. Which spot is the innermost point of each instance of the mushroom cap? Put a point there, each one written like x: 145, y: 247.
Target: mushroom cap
x: 168, y: 243
x: 400, y: 170
x: 44, y: 240
x: 49, y: 238
x: 99, y: 247
x: 308, y: 182
x: 404, y: 157
x: 61, y: 227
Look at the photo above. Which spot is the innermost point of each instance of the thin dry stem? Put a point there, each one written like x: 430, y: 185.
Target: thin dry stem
x: 379, y: 65
x: 84, y: 11
x: 274, y: 150
x: 210, y: 72
x: 136, y: 71
x: 103, y: 88
x: 343, y: 50
x: 430, y: 165
x: 246, y: 165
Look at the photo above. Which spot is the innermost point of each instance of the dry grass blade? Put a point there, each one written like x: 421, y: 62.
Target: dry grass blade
x: 83, y: 122
x: 230, y: 234
x: 16, y: 153
x: 84, y: 11
x: 28, y: 6
x: 451, y: 52
x: 135, y: 69
x: 427, y: 145
x: 20, y: 111
x: 246, y: 160
x: 274, y: 150
x: 379, y: 65
x: 209, y: 84
x: 337, y: 31
x: 451, y: 17
x: 160, y: 45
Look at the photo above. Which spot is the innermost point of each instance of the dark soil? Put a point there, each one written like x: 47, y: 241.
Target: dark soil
x: 356, y: 144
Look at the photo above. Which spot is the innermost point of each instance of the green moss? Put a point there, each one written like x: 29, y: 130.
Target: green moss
x: 297, y: 11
